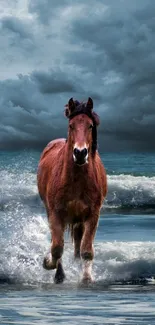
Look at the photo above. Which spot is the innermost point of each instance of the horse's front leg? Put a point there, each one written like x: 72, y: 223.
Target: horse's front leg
x: 87, y: 250
x: 77, y: 236
x: 57, y: 244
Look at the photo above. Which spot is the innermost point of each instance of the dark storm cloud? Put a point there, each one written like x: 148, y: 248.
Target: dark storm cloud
x: 123, y: 39
x: 45, y: 9
x: 16, y: 26
x: 28, y: 118
x: 53, y: 82
x: 104, y: 49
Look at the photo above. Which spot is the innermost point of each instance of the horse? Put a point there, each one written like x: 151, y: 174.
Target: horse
x: 72, y: 183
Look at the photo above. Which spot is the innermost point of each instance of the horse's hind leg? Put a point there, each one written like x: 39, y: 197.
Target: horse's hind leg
x: 54, y: 262
x: 78, y: 229
x: 86, y: 250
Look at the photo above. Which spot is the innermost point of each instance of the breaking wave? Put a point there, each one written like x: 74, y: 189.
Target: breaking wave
x: 27, y: 241
x: 125, y: 192
x: 25, y: 234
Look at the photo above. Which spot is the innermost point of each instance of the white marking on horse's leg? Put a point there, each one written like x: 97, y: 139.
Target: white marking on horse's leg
x: 87, y: 270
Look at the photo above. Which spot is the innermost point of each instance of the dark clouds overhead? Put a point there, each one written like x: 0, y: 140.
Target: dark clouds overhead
x: 51, y: 51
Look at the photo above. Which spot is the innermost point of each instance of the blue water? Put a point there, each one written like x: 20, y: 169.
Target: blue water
x: 124, y: 267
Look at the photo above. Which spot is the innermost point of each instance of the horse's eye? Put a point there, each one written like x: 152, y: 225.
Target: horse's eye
x: 90, y: 126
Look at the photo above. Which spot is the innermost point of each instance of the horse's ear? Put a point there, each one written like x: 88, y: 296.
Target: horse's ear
x: 89, y: 104
x: 66, y: 112
x: 71, y: 106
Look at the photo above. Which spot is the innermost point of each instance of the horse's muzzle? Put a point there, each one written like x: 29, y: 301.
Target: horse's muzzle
x: 80, y: 156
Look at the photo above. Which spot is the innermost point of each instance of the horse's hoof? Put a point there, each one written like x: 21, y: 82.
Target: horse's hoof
x: 87, y: 280
x: 48, y: 264
x: 60, y: 274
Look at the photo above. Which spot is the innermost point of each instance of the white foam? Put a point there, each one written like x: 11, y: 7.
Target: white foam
x: 128, y: 190
x: 22, y: 255
x: 123, y: 190
x: 25, y: 236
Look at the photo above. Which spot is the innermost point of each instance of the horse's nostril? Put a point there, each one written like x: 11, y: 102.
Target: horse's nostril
x: 84, y: 152
x: 76, y: 151
x: 80, y: 153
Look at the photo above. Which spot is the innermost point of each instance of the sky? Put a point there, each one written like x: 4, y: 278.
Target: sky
x: 53, y: 50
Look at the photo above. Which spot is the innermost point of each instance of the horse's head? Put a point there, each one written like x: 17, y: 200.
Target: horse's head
x: 82, y: 129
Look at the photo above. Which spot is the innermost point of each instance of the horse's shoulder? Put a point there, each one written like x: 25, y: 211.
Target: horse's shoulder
x: 53, y: 145
x: 56, y: 142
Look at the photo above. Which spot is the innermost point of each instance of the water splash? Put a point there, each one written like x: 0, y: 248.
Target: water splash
x: 23, y: 250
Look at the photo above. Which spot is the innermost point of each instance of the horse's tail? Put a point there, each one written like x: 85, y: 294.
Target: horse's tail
x: 76, y: 231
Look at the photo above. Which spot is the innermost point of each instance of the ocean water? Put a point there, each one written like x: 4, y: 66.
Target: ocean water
x: 123, y: 291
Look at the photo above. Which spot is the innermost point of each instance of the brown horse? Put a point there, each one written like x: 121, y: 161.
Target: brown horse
x: 72, y: 183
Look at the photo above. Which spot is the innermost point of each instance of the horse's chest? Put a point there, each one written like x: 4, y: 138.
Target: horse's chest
x: 76, y: 200
x: 77, y: 209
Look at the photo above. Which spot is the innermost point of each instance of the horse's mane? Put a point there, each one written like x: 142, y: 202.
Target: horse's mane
x: 82, y: 108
